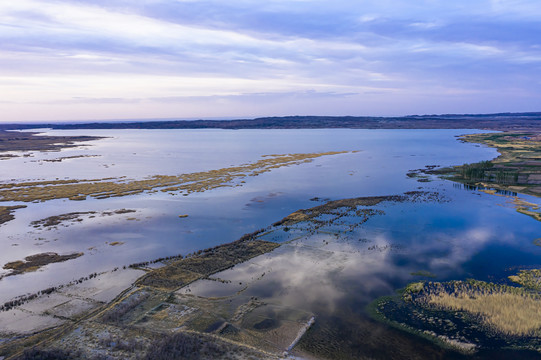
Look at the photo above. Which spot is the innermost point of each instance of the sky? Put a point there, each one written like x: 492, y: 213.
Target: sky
x: 187, y: 59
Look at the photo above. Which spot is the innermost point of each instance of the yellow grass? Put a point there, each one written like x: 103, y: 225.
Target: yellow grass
x: 521, y: 203
x: 490, y: 192
x: 185, y: 183
x: 296, y: 217
x: 6, y: 213
x: 530, y: 279
x: 510, y: 313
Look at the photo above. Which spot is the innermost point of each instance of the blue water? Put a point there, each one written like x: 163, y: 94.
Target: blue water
x: 449, y: 239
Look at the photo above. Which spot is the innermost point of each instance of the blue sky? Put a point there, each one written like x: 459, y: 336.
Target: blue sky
x: 126, y: 59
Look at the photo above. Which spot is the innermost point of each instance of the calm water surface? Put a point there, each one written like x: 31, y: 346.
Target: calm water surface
x: 470, y: 235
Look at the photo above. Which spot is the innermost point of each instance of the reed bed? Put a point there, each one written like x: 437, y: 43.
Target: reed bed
x: 509, y: 310
x: 184, y: 183
x: 530, y: 279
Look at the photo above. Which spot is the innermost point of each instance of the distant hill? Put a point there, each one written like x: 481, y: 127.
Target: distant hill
x: 501, y: 121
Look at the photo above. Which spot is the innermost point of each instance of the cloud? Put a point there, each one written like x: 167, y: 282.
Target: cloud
x: 55, y: 51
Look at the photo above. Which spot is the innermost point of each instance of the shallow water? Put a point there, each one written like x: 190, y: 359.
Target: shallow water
x: 471, y: 235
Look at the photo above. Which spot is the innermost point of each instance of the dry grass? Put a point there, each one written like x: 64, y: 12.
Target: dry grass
x: 507, y: 311
x: 527, y: 208
x: 521, y: 203
x: 21, y: 141
x: 35, y: 262
x: 6, y: 212
x: 185, y: 183
x: 533, y: 214
x: 530, y: 279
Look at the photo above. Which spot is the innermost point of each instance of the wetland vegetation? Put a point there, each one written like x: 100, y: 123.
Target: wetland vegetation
x: 62, y: 219
x: 35, y: 262
x: 518, y: 168
x: 26, y: 141
x: 240, y: 300
x: 181, y: 272
x: 6, y: 212
x: 231, y: 327
x: 469, y: 315
x: 127, y: 316
x: 185, y: 183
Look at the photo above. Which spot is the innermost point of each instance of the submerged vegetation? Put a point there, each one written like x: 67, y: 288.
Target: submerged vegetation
x: 343, y: 207
x: 152, y: 296
x: 161, y: 319
x: 181, y: 272
x: 423, y: 273
x: 185, y: 183
x: 55, y: 220
x: 60, y: 159
x: 333, y: 207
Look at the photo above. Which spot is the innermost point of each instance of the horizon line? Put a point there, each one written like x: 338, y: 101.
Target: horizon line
x: 233, y: 118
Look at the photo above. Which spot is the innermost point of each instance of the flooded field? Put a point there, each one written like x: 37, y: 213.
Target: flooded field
x: 340, y: 219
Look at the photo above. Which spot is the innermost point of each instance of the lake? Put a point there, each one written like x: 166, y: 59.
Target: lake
x: 333, y: 273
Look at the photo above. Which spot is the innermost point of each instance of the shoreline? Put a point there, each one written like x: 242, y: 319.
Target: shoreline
x: 516, y: 170
x: 30, y: 141
x: 156, y: 286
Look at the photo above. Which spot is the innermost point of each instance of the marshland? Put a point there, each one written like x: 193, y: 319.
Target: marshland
x: 252, y: 243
